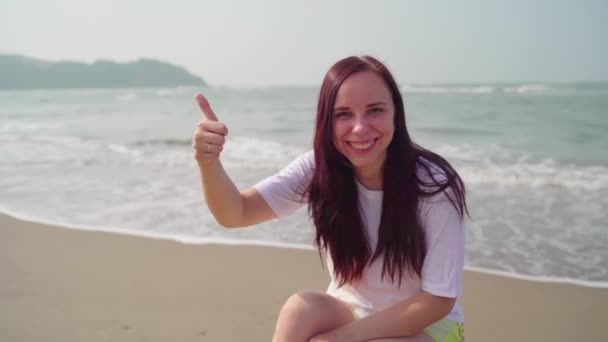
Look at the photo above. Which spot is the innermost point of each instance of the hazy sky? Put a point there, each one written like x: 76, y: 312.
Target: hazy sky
x: 264, y: 42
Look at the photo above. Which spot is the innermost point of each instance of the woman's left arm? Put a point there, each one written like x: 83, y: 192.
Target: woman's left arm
x: 403, y: 319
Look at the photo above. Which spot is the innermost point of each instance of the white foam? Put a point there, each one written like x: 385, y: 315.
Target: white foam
x: 243, y: 151
x: 478, y: 89
x: 540, y: 279
x: 124, y: 150
x: 483, y: 89
x: 493, y: 165
x: 126, y: 97
x: 27, y: 127
x: 255, y: 152
x: 527, y: 88
x: 167, y: 91
x: 540, y: 175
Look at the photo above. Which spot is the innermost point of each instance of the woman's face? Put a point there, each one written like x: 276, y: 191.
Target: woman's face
x: 363, y: 120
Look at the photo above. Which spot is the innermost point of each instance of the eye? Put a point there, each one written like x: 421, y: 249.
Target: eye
x: 340, y: 115
x: 376, y: 110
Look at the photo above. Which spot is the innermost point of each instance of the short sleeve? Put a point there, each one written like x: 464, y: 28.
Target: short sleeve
x: 284, y: 191
x: 445, y: 236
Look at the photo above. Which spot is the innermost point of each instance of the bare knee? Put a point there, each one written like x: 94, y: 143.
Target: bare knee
x: 308, y: 313
x: 302, y: 306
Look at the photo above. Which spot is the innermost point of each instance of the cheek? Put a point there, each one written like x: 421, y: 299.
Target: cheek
x: 335, y: 138
x: 390, y: 128
x: 385, y: 126
x: 390, y: 133
x: 390, y: 125
x: 338, y: 131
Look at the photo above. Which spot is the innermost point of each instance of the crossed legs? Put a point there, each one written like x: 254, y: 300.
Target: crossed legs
x: 307, y: 313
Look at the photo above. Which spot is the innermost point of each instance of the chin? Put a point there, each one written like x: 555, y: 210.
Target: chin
x: 363, y: 161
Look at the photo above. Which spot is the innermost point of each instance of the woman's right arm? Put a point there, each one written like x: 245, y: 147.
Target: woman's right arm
x: 231, y: 207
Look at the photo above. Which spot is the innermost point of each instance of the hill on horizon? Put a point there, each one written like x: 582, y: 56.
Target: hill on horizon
x: 21, y: 72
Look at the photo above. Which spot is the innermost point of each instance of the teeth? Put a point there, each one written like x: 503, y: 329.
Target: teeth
x: 360, y: 146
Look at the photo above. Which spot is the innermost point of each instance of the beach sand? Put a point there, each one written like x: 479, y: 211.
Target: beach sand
x: 61, y: 284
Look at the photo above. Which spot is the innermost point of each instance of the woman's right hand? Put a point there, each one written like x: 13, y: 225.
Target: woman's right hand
x: 209, y: 136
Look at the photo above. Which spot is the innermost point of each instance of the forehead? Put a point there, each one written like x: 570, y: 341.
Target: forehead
x: 362, y: 88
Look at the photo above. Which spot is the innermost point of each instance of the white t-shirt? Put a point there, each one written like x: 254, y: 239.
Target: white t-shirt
x: 445, y: 235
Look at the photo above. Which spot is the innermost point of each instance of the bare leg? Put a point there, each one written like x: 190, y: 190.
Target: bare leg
x: 306, y: 314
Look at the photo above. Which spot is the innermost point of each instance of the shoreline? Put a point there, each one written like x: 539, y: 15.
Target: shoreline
x: 262, y: 243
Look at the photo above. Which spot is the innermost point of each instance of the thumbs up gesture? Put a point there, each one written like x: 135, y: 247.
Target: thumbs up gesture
x: 209, y: 136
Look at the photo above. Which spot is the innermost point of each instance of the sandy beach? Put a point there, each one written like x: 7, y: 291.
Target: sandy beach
x: 68, y: 285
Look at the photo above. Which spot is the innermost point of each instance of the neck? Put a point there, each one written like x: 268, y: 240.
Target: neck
x: 370, y: 177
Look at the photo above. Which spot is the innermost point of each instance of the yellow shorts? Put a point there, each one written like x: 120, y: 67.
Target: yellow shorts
x: 444, y: 330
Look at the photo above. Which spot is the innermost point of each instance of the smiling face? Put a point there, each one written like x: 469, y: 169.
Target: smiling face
x: 363, y: 123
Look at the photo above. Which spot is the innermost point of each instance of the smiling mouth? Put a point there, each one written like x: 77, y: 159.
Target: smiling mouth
x: 362, y: 146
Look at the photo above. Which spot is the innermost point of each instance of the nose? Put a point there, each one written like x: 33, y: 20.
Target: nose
x: 360, y: 126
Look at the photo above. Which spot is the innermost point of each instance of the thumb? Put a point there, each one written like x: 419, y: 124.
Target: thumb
x: 205, y: 107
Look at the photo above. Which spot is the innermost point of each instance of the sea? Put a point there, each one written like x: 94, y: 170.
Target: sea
x: 533, y: 156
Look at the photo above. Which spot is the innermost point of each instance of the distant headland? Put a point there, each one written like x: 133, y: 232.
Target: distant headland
x: 21, y: 72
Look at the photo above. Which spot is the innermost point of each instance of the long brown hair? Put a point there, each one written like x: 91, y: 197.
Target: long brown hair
x: 333, y: 196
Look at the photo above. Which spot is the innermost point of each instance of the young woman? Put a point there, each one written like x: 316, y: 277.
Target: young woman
x: 388, y: 215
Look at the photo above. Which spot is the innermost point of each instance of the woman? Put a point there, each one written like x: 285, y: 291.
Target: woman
x: 388, y: 215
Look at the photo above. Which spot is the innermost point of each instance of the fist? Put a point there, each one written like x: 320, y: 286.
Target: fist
x: 209, y: 136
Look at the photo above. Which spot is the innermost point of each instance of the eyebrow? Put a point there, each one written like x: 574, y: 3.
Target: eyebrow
x: 373, y: 104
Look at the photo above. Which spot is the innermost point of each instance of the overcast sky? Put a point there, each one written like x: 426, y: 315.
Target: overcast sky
x: 284, y: 42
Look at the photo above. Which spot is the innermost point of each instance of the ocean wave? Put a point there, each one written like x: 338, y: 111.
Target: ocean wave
x: 62, y: 141
x: 498, y: 166
x: 15, y: 127
x: 167, y: 142
x: 240, y: 149
x: 260, y: 153
x: 448, y: 89
x: 180, y: 90
x: 126, y: 97
x: 527, y: 88
x: 241, y: 152
x: 249, y: 152
x: 544, y: 174
x: 123, y: 149
x: 477, y: 164
x: 478, y: 89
